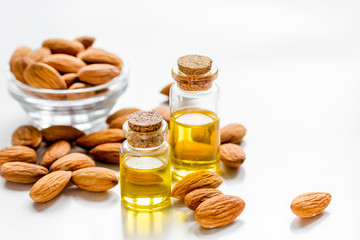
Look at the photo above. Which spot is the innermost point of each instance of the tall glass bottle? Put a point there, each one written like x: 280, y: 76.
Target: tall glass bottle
x: 194, y: 122
x: 145, y: 172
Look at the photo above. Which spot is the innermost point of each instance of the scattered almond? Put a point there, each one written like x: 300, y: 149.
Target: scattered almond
x: 72, y: 162
x: 232, y: 133
x: 104, y: 136
x: 121, y: 112
x: 195, y: 198
x: 17, y: 154
x: 95, y: 179
x: 56, y: 133
x: 41, y: 75
x: 194, y: 181
x: 21, y: 172
x: 63, y: 46
x: 118, y: 122
x: 54, y: 152
x: 95, y: 55
x: 107, y: 152
x: 164, y: 112
x: 166, y: 89
x: 64, y: 63
x: 96, y: 74
x: 219, y: 211
x: 27, y: 136
x: 310, y: 204
x: 232, y: 155
x: 86, y: 41
x: 50, y: 186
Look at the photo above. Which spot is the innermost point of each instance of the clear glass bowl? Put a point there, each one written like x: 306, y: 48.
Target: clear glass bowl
x: 81, y: 108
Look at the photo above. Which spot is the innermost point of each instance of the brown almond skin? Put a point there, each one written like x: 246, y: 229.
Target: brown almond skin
x: 118, y: 122
x: 17, y: 154
x: 64, y: 63
x: 19, y: 66
x: 195, y: 198
x: 166, y: 90
x: 95, y: 179
x: 107, y: 152
x: 69, y: 78
x: 121, y: 112
x: 20, y: 172
x: 39, y: 54
x: 72, y: 162
x: 310, y: 204
x: 50, y: 186
x: 95, y: 55
x: 232, y: 133
x: 232, y: 155
x: 96, y: 74
x: 54, y: 152
x: 41, y: 75
x: 219, y: 211
x: 194, y: 181
x: 164, y: 112
x: 63, y: 46
x: 27, y: 136
x: 19, y: 52
x: 104, y: 136
x: 87, y: 41
x: 56, y: 133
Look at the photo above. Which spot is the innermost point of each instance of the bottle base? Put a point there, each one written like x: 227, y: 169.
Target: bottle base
x: 149, y: 204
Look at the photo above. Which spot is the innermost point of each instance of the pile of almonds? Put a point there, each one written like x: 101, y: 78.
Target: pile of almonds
x: 65, y: 64
x: 57, y: 166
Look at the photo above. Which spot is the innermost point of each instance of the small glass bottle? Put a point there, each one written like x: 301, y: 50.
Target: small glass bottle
x: 145, y: 171
x: 194, y: 122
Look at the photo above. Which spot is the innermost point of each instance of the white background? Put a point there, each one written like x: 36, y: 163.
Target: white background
x: 289, y: 71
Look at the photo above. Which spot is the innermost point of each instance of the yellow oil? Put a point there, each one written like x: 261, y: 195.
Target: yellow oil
x: 194, y: 142
x: 145, y: 183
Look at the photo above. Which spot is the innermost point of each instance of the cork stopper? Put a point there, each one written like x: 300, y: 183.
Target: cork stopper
x: 144, y: 121
x: 194, y: 64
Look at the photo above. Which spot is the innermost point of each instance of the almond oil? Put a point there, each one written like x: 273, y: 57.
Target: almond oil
x: 194, y: 142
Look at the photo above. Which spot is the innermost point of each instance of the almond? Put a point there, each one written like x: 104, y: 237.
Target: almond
x: 194, y: 181
x: 232, y: 155
x: 19, y: 66
x: 107, y: 152
x: 95, y: 179
x: 19, y: 52
x: 54, y: 152
x: 21, y: 172
x: 142, y: 178
x: 118, y: 122
x: 86, y: 41
x: 104, y: 136
x: 17, y: 154
x: 69, y: 78
x: 121, y: 112
x: 81, y: 95
x: 94, y: 55
x: 72, y: 162
x: 164, y: 112
x: 39, y: 54
x: 195, y: 198
x: 96, y: 74
x: 50, y: 186
x: 41, y: 75
x: 310, y: 204
x: 27, y: 136
x: 64, y: 63
x: 232, y: 133
x: 166, y: 89
x: 219, y: 211
x: 56, y: 133
x: 63, y: 46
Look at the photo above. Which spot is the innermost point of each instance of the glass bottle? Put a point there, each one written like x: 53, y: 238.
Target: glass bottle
x: 145, y: 171
x: 194, y: 122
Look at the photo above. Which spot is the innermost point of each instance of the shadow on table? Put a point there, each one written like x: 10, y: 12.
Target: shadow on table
x: 305, y: 224
x: 216, y: 233
x: 137, y: 225
x: 17, y: 186
x: 231, y: 173
x: 58, y: 201
x: 91, y: 196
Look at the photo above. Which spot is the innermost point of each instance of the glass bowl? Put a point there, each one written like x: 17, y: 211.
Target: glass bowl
x: 81, y: 108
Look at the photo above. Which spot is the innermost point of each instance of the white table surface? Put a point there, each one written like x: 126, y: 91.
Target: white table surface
x: 289, y: 71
